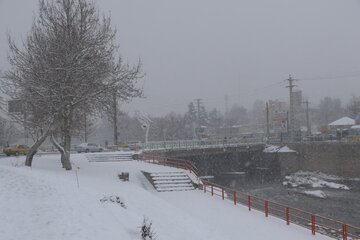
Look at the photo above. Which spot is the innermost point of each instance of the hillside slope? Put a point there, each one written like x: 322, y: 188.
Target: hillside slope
x: 46, y: 202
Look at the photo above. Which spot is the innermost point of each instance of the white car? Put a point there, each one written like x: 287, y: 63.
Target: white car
x: 89, y: 147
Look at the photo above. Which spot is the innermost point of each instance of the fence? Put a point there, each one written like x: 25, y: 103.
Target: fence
x: 171, y: 162
x: 314, y: 223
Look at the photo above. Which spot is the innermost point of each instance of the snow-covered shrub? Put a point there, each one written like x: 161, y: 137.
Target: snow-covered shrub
x: 113, y: 199
x: 146, y: 230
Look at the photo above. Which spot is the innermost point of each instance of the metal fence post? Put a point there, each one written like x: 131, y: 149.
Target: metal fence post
x: 249, y: 202
x: 344, y: 232
x: 204, y: 188
x: 313, y: 223
x: 222, y: 193
x: 266, y: 208
x: 212, y: 190
x: 234, y: 198
x: 287, y: 216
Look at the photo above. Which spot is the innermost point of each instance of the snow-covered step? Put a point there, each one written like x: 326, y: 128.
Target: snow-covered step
x: 180, y: 185
x: 170, y: 178
x: 109, y: 157
x: 170, y: 181
x: 174, y: 189
x: 168, y: 174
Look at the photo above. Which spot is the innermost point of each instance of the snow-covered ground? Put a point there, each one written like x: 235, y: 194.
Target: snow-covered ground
x: 273, y: 149
x: 315, y: 193
x: 90, y: 202
x: 314, y: 180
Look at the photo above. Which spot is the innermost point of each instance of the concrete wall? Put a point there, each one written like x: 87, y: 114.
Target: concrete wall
x: 220, y: 161
x: 342, y: 159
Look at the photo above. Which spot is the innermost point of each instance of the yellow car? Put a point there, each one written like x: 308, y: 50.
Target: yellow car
x: 16, y: 150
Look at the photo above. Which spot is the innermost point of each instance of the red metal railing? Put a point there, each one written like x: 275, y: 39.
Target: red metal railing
x: 317, y: 224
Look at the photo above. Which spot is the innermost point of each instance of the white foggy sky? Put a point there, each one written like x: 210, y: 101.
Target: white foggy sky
x: 206, y: 48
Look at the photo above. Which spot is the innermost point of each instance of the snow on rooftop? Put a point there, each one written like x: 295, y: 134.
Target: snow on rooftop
x: 46, y: 202
x: 344, y: 121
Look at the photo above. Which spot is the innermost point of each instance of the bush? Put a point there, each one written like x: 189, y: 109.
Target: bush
x: 146, y: 231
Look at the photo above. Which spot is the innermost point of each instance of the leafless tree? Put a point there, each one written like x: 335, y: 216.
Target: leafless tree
x: 169, y: 127
x: 8, y: 131
x: 354, y: 106
x: 68, y: 65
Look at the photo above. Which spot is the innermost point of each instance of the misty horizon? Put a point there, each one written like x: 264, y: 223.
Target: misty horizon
x: 209, y: 49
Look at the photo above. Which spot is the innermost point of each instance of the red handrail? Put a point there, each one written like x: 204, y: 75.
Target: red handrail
x: 323, y: 225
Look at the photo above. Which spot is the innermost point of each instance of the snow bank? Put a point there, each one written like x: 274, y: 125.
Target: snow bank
x: 46, y: 202
x: 314, y: 180
x: 315, y: 193
x: 273, y: 148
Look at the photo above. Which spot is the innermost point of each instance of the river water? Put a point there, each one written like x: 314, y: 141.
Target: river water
x: 342, y: 205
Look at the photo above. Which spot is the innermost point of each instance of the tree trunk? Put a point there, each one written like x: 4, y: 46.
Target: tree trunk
x: 115, y: 118
x: 59, y: 148
x: 67, y: 144
x: 67, y: 138
x: 85, y: 132
x: 34, y: 148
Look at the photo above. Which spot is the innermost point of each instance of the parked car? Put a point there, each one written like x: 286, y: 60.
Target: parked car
x: 134, y: 145
x: 89, y: 147
x: 16, y: 150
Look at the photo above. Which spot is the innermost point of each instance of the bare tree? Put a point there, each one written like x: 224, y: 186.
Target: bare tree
x: 330, y: 109
x: 113, y: 113
x: 168, y: 127
x: 68, y: 65
x: 354, y: 106
x: 8, y: 131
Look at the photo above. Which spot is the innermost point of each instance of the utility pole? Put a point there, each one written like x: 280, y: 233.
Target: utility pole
x: 292, y: 115
x: 267, y: 121
x: 198, y: 104
x: 308, y: 132
x: 226, y: 98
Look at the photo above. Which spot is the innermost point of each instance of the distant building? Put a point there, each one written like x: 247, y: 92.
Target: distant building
x: 236, y: 131
x: 297, y: 99
x: 342, y: 123
x: 277, y: 116
x: 298, y: 110
x: 357, y: 119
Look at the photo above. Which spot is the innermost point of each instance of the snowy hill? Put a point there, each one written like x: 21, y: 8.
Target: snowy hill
x: 46, y: 202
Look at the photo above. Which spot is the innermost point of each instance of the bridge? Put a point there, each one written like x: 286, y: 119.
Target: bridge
x: 201, y: 144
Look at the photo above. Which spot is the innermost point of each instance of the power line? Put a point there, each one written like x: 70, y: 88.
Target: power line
x: 355, y: 74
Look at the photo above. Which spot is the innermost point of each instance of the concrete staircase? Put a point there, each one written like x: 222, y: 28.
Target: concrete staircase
x: 109, y: 157
x: 170, y: 181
